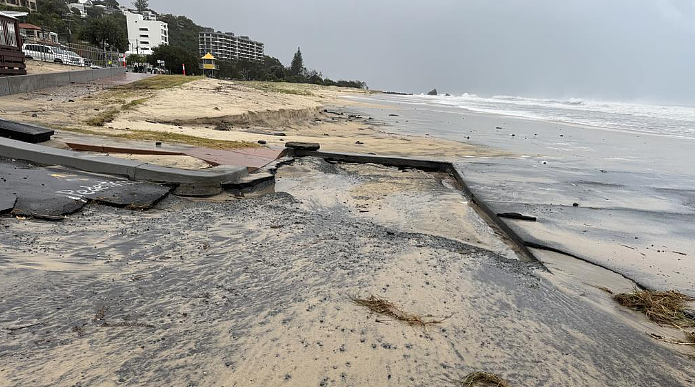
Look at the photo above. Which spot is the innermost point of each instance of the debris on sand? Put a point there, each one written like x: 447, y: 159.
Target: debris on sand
x: 660, y: 307
x: 605, y: 289
x: 517, y: 216
x: 664, y: 308
x: 384, y: 307
x: 689, y: 335
x: 484, y: 379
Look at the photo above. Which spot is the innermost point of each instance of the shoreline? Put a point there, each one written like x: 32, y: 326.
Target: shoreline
x: 492, y: 115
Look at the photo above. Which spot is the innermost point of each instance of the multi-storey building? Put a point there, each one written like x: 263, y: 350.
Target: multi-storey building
x: 227, y: 46
x: 30, y: 4
x: 145, y: 32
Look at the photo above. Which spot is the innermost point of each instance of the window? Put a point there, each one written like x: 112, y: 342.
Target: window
x: 3, y: 42
x: 144, y: 36
x: 144, y: 29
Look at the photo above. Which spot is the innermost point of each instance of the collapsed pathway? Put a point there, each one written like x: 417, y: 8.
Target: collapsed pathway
x: 52, y: 192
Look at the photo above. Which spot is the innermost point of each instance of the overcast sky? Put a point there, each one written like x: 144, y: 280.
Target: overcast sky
x: 595, y: 49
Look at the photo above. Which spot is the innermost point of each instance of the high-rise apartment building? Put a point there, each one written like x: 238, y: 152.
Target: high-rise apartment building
x: 227, y: 46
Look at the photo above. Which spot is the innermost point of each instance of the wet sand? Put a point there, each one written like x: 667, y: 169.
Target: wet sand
x: 635, y: 192
x: 258, y: 292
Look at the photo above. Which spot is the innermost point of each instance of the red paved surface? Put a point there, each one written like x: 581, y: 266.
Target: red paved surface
x: 253, y: 158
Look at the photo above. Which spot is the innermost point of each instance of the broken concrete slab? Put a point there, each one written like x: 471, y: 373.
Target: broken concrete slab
x: 7, y: 201
x: 257, y: 183
x: 309, y: 146
x: 53, y: 192
x: 24, y: 132
x: 115, y: 166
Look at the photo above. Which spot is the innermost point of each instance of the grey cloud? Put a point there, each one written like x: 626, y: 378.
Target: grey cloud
x: 615, y: 50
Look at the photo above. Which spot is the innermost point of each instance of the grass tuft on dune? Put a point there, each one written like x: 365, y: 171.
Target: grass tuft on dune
x: 159, y: 82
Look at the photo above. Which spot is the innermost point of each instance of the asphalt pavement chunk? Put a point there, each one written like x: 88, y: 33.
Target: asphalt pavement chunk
x: 53, y: 192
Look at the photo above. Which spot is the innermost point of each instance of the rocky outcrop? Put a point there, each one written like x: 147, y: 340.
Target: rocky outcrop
x: 432, y: 92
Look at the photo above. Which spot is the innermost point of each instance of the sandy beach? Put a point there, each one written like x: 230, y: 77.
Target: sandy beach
x: 261, y: 291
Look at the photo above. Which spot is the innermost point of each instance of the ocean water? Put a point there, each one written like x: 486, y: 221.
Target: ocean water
x: 676, y: 121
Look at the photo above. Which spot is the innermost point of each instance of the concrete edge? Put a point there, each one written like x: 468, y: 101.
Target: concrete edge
x: 391, y: 161
x: 490, y: 217
x: 212, y: 178
x: 27, y: 83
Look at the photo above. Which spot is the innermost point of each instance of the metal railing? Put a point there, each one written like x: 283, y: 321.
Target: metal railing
x: 73, y: 54
x: 98, y: 57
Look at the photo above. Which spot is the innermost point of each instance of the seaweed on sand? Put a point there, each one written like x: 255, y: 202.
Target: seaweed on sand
x: 665, y: 308
x: 483, y: 379
x: 387, y: 308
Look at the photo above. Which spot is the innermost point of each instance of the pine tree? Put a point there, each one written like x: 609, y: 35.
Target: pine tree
x: 141, y: 5
x: 297, y: 66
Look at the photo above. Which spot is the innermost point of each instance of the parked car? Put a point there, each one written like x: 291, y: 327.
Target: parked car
x: 69, y: 57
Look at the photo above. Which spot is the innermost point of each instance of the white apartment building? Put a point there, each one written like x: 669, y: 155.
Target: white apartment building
x: 81, y: 6
x: 227, y: 46
x: 145, y: 32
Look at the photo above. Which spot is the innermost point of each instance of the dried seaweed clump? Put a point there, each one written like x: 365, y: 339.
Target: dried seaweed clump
x: 384, y: 307
x: 665, y: 308
x: 483, y: 379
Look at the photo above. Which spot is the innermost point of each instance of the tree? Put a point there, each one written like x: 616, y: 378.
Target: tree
x: 277, y: 73
x: 297, y: 66
x: 173, y: 58
x: 135, y: 59
x: 107, y: 32
x: 141, y: 5
x: 183, y: 32
x: 112, y: 4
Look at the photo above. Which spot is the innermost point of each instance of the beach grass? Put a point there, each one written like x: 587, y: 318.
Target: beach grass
x: 177, y: 138
x: 280, y: 87
x: 134, y: 103
x: 159, y: 82
x: 103, y: 117
x: 386, y: 308
x: 483, y: 379
x: 109, y: 115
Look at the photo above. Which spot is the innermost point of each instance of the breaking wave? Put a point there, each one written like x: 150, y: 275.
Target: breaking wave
x: 643, y: 118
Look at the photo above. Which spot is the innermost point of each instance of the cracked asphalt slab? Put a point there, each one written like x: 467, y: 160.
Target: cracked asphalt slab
x: 637, y: 223
x: 53, y: 191
x: 257, y: 292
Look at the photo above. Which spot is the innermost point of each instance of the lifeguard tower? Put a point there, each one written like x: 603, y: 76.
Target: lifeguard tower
x: 208, y: 65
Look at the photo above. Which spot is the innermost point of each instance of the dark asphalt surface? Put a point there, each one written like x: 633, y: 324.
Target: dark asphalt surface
x: 52, y: 192
x: 628, y: 222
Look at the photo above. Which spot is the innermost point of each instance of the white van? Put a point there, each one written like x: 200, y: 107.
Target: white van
x: 54, y: 54
x: 41, y: 52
